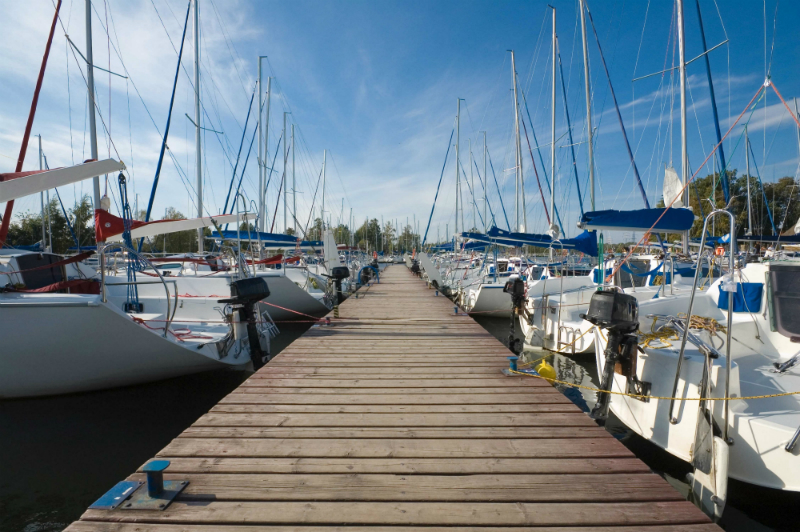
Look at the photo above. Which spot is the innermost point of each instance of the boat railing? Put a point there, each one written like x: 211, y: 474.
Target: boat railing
x: 171, y: 308
x: 685, y: 336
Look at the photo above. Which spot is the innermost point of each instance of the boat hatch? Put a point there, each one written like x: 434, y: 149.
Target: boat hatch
x: 784, y: 287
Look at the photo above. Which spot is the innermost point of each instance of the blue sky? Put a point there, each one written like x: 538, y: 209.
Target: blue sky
x: 376, y: 84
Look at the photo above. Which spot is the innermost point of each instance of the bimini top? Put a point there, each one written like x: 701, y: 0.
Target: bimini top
x: 586, y: 242
x: 659, y: 220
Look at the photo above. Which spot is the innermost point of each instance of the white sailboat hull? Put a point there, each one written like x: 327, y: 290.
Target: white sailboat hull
x: 65, y: 343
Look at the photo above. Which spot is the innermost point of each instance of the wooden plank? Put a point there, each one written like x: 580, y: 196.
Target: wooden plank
x: 605, y: 447
x: 264, y: 395
x: 94, y: 526
x: 415, y: 513
x: 258, y: 408
x: 438, y: 466
x: 487, y: 382
x: 393, y: 432
x: 513, y: 419
x: 383, y: 487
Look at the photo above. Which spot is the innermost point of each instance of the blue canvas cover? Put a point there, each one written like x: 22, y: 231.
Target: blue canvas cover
x: 672, y: 221
x: 746, y: 299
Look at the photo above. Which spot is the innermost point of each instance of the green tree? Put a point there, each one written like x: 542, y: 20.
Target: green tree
x: 27, y: 228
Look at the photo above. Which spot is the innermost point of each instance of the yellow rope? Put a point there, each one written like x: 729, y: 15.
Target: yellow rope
x: 655, y: 397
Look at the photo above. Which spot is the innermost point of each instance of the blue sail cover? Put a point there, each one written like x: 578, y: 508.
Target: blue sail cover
x: 672, y: 221
x: 468, y: 246
x: 265, y: 238
x: 586, y: 242
x: 784, y: 239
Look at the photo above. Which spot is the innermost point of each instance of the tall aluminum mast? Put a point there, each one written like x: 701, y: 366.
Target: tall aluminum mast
x: 517, y: 146
x: 283, y: 185
x: 458, y: 181
x: 263, y: 152
x: 485, y: 182
x: 294, y: 189
x: 684, y: 150
x: 553, y: 122
x: 90, y: 87
x: 472, y: 184
x: 587, y: 85
x: 197, y: 137
x: 322, y: 209
x: 747, y: 162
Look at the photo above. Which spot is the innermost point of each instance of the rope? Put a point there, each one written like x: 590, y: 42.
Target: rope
x: 654, y: 397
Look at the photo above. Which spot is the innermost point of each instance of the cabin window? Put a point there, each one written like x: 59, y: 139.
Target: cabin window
x: 784, y: 289
x: 625, y: 279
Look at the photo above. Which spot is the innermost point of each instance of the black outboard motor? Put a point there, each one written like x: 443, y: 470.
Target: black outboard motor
x: 415, y: 268
x: 618, y: 313
x: 338, y: 273
x: 245, y: 294
x: 516, y: 289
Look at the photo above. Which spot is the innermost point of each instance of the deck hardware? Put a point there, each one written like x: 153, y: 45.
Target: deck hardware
x: 436, y: 293
x: 455, y: 310
x: 159, y: 492
x: 512, y: 363
x: 116, y: 495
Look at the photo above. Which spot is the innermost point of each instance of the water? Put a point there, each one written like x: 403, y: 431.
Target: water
x: 59, y: 454
x: 749, y: 508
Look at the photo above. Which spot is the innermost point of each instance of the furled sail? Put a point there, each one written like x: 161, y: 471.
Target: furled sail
x: 673, y: 188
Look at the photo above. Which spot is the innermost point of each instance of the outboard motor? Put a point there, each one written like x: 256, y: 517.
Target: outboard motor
x: 338, y: 274
x: 245, y: 295
x: 415, y: 268
x: 515, y: 287
x: 617, y: 313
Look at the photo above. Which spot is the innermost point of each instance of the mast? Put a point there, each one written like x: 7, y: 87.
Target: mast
x: 322, y: 209
x: 518, y: 156
x: 747, y: 163
x: 283, y: 185
x: 587, y: 85
x: 90, y: 86
x: 553, y: 125
x: 458, y: 136
x: 472, y: 179
x: 684, y: 150
x: 263, y: 216
x: 197, y: 138
x: 485, y: 182
x: 41, y: 199
x: 262, y: 146
x: 294, y: 189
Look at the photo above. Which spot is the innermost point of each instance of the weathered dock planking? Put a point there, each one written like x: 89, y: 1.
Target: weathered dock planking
x: 398, y: 415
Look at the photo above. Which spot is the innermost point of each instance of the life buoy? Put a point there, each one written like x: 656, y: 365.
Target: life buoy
x: 720, y: 251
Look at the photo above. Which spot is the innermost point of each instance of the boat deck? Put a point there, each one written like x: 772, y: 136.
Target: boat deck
x: 398, y: 415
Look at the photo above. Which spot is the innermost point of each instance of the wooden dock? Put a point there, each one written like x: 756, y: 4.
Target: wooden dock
x: 398, y: 415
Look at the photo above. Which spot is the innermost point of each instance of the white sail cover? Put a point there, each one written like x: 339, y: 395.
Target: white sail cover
x: 430, y: 269
x: 14, y: 186
x: 161, y: 227
x: 673, y: 188
x: 331, y: 251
